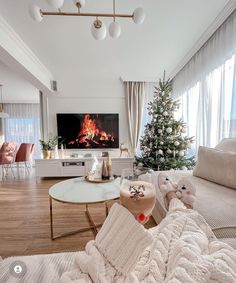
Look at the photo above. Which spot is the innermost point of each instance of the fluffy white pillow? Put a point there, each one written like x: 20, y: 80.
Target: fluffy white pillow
x: 216, y: 166
x: 228, y: 144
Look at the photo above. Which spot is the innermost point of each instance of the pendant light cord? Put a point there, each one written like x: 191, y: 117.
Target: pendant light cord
x: 114, y: 10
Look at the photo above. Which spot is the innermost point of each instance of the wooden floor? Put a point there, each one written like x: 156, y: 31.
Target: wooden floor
x: 25, y: 222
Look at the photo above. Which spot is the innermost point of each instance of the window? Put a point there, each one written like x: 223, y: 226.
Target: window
x: 206, y: 106
x: 23, y: 125
x: 206, y: 88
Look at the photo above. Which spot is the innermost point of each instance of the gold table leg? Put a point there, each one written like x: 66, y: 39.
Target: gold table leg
x: 93, y: 226
x: 51, y: 217
x: 87, y: 213
x: 106, y: 206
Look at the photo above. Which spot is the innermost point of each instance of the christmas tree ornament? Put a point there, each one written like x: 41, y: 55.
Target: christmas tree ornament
x: 168, y: 130
x: 160, y: 152
x: 181, y: 153
x: 189, y: 145
x: 176, y: 143
x: 173, y: 154
x: 165, y: 113
x: 161, y: 143
x: 148, y: 152
x: 169, y: 151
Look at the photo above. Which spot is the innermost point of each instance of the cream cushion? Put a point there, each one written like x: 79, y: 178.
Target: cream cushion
x: 216, y: 166
x: 228, y: 144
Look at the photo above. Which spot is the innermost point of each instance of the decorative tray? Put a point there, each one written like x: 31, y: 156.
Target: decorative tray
x: 98, y: 180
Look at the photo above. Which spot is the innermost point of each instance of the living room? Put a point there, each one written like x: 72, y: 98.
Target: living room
x: 82, y: 108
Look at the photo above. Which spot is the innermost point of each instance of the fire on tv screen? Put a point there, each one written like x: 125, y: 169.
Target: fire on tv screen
x: 88, y: 130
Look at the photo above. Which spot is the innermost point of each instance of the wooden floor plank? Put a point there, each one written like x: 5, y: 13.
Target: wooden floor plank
x: 25, y: 222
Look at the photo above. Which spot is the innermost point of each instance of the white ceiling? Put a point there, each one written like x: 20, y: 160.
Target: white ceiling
x: 67, y: 49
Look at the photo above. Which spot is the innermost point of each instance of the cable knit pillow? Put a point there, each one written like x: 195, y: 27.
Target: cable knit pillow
x: 228, y: 144
x: 216, y: 166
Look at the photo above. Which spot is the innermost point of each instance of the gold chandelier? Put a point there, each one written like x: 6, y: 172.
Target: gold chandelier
x: 98, y: 28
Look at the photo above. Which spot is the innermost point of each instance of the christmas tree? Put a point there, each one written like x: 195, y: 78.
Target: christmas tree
x: 164, y: 144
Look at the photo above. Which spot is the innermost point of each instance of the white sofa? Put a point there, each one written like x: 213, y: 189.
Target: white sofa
x: 215, y: 202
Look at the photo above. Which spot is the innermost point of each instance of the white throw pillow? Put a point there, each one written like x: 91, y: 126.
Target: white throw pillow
x: 217, y: 166
x: 227, y: 144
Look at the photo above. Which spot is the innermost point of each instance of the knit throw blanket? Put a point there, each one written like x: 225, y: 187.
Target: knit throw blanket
x: 180, y: 249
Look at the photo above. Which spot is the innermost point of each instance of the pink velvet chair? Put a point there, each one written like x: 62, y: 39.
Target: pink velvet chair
x: 24, y: 154
x: 7, y: 157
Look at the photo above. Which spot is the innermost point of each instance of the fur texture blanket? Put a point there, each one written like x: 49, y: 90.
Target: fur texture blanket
x: 181, y: 249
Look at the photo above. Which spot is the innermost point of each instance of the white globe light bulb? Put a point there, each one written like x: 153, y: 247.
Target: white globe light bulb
x: 98, y: 30
x: 139, y: 16
x: 81, y: 2
x: 114, y: 30
x: 57, y: 4
x: 35, y: 13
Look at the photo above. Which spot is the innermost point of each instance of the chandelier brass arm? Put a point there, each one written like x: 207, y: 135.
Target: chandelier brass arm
x: 85, y: 14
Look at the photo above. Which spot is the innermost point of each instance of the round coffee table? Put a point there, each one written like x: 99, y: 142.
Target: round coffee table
x: 79, y: 191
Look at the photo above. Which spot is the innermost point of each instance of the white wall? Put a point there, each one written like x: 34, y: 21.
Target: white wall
x: 105, y: 98
x: 93, y: 96
x: 15, y: 88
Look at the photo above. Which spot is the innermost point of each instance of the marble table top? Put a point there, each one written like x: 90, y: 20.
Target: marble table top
x: 77, y: 190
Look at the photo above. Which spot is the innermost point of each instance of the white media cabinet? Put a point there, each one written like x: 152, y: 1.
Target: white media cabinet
x: 74, y: 167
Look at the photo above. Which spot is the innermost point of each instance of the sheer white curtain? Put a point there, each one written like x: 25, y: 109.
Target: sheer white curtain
x: 206, y: 88
x: 23, y: 124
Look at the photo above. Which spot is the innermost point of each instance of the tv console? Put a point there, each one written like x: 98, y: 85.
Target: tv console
x: 74, y: 167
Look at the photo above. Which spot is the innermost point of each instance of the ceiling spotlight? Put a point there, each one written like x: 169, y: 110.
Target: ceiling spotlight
x: 98, y: 30
x: 35, y: 13
x: 57, y: 4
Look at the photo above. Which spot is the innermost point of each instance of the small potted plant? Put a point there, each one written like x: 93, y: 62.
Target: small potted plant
x: 48, y: 146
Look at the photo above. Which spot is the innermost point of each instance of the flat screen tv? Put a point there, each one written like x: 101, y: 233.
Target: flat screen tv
x: 88, y: 131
